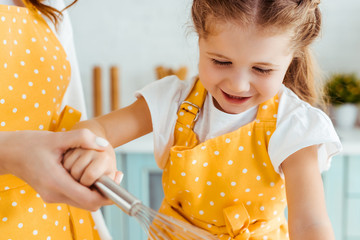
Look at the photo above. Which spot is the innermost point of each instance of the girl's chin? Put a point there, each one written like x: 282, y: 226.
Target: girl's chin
x: 233, y: 111
x: 229, y: 109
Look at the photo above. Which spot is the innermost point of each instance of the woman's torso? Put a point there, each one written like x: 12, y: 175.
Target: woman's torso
x: 34, y: 75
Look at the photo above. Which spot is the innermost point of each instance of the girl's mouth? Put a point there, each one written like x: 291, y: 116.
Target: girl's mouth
x: 235, y: 99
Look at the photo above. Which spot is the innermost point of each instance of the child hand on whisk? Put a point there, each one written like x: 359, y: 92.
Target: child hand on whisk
x: 86, y: 166
x: 243, y: 140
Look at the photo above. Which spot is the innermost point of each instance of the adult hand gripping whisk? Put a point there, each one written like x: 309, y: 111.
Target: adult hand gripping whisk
x: 156, y: 225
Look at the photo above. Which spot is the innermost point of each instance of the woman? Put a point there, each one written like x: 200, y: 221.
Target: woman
x: 37, y: 63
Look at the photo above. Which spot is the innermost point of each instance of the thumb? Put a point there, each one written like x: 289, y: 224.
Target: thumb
x: 83, y: 138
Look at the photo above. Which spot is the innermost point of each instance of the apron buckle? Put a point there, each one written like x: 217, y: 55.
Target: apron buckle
x: 189, y: 109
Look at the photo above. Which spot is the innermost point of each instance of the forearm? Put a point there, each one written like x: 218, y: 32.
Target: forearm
x: 313, y: 232
x: 122, y: 125
x: 93, y: 125
x: 307, y: 215
x: 5, y: 152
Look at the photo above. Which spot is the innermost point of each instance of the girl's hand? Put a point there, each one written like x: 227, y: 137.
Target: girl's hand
x: 86, y: 166
x: 35, y: 157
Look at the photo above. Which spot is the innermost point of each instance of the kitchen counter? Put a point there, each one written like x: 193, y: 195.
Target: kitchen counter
x: 351, y: 141
x: 349, y: 138
x: 143, y: 144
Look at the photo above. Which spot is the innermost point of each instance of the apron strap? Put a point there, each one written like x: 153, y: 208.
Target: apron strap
x: 81, y: 223
x: 189, y: 109
x: 67, y: 119
x: 268, y: 110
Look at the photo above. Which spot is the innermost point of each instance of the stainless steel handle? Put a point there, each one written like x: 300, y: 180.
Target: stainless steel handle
x: 119, y: 195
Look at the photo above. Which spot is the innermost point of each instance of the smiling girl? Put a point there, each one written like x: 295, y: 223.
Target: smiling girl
x: 243, y: 140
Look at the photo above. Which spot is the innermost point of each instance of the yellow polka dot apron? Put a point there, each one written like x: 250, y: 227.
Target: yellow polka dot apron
x: 34, y: 75
x: 225, y: 185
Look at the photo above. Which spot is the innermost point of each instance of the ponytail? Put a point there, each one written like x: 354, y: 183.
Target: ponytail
x: 303, y: 78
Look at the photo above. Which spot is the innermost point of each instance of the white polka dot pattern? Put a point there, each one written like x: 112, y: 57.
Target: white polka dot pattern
x: 230, y: 182
x: 26, y: 94
x: 34, y: 73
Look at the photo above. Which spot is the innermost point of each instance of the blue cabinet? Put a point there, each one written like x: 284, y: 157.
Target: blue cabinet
x: 342, y: 192
x: 115, y: 219
x: 142, y: 178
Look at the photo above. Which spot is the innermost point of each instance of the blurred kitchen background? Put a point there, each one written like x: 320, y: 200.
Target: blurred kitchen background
x: 134, y: 35
x: 138, y: 35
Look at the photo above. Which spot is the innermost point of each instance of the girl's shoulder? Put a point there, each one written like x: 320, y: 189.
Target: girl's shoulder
x: 300, y: 125
x: 163, y: 98
x: 291, y: 108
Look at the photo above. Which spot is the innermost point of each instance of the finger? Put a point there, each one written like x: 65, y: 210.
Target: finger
x: 107, y: 201
x: 94, y: 171
x: 70, y: 158
x: 80, y: 196
x: 102, y: 201
x: 79, y: 166
x: 63, y: 188
x: 68, y: 151
x: 83, y: 138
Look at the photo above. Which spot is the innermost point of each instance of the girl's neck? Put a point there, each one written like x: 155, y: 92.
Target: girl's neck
x: 18, y: 3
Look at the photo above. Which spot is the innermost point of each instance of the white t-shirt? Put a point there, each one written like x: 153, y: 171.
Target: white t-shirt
x: 299, y: 125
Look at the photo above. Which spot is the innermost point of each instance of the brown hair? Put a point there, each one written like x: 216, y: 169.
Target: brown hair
x: 52, y: 13
x: 302, y: 17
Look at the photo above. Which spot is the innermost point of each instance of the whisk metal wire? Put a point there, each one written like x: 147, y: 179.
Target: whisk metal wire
x: 156, y: 225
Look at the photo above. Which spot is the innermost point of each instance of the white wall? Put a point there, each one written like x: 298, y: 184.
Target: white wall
x: 138, y: 35
x: 339, y: 47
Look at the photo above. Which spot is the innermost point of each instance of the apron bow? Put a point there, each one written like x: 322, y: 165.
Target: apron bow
x: 237, y: 221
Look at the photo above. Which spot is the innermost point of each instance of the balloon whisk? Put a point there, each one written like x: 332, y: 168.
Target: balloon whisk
x: 157, y: 226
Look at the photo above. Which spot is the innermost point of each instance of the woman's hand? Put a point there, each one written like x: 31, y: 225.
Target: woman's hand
x: 35, y: 157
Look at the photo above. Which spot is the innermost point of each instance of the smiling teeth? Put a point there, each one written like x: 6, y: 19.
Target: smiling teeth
x: 236, y: 97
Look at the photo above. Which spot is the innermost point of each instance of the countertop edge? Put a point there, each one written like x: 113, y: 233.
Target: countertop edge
x: 350, y: 140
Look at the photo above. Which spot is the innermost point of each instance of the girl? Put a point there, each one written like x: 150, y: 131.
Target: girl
x: 243, y: 140
x: 37, y: 61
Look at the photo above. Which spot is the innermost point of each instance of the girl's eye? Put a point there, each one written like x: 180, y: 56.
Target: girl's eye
x: 221, y: 63
x: 263, y: 71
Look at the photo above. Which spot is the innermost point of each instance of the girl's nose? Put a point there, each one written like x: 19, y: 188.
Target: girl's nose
x: 240, y: 82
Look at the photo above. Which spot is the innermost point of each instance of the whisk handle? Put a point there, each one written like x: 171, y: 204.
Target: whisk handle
x: 119, y: 195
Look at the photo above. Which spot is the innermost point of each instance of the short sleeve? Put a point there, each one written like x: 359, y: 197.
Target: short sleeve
x: 163, y: 98
x: 300, y: 125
